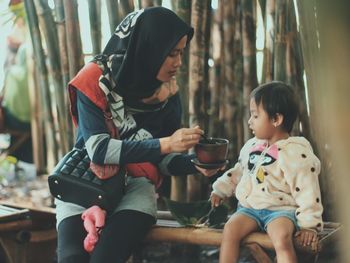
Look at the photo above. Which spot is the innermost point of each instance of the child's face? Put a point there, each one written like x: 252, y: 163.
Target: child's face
x: 260, y: 123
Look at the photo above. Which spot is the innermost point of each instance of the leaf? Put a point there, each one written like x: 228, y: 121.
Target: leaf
x: 189, y: 214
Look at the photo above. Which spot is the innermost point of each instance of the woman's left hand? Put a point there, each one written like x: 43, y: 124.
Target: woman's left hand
x: 209, y: 172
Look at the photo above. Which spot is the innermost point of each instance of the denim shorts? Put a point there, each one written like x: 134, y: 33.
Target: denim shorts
x: 264, y: 216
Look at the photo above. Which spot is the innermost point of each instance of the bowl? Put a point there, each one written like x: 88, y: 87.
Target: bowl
x: 213, y: 150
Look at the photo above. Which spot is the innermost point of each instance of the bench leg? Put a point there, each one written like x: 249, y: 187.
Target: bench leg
x: 15, y: 250
x: 258, y: 253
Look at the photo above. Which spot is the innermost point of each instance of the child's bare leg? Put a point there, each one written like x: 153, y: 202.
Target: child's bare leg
x: 238, y: 227
x: 281, y: 231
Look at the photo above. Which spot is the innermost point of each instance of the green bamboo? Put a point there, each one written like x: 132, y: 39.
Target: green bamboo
x: 46, y: 115
x: 48, y: 26
x: 113, y: 14
x: 95, y: 25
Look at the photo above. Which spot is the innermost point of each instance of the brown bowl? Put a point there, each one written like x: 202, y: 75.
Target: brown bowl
x: 212, y: 151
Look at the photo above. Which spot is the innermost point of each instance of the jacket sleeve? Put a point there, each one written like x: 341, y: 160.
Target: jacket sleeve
x: 225, y: 185
x: 301, y: 169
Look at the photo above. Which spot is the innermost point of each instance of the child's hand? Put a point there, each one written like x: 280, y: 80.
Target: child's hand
x: 215, y: 200
x: 307, y: 237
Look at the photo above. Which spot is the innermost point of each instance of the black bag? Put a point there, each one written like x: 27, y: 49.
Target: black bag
x: 73, y: 181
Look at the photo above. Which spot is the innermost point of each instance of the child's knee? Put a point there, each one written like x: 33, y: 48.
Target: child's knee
x: 282, y: 241
x: 231, y: 231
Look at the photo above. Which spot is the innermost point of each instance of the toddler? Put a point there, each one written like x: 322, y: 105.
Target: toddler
x: 275, y: 179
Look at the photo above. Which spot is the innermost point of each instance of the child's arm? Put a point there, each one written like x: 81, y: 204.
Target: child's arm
x: 225, y: 185
x: 301, y: 173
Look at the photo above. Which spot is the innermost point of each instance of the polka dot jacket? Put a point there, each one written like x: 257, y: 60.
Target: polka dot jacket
x: 282, y: 176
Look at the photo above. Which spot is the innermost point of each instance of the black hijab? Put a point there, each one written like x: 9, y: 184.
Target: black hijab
x: 138, y: 48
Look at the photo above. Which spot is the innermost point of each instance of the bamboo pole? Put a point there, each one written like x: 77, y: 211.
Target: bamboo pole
x: 74, y: 48
x: 125, y: 7
x: 48, y: 26
x: 250, y: 80
x: 36, y: 112
x: 233, y: 77
x: 113, y: 14
x: 62, y: 46
x: 268, y: 65
x: 198, y: 84
x: 95, y: 25
x: 280, y: 41
x: 178, y: 183
x: 216, y: 76
x: 43, y: 82
x: 295, y: 73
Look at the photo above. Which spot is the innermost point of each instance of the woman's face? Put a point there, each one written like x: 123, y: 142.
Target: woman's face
x: 172, y: 62
x: 166, y: 73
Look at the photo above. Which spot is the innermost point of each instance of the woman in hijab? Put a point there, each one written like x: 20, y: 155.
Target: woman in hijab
x: 127, y: 111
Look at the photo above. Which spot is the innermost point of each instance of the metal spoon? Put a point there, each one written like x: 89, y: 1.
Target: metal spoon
x: 205, y: 138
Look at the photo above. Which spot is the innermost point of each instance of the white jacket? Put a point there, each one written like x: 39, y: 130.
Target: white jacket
x: 283, y: 176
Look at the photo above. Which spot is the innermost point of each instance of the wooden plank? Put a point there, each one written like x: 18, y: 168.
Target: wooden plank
x: 172, y: 231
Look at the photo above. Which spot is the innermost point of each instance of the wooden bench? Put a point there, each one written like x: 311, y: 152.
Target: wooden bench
x: 41, y: 230
x: 30, y: 238
x: 168, y: 230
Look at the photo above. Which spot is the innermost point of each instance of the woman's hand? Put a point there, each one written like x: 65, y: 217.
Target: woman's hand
x: 181, y: 140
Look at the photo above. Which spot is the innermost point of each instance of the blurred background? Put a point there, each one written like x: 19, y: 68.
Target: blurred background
x: 238, y: 44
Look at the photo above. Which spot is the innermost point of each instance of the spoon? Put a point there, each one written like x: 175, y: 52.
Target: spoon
x: 205, y: 138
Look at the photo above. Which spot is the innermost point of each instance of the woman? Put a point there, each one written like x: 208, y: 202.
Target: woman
x: 132, y: 83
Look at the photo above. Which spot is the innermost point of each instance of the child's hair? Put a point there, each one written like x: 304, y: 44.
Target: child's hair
x: 277, y: 97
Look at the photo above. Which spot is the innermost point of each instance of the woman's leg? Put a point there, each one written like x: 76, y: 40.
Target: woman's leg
x: 71, y: 234
x: 281, y: 232
x: 122, y: 232
x: 238, y: 227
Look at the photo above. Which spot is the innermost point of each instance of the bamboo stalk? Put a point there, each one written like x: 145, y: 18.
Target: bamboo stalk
x: 198, y: 91
x: 95, y: 25
x: 125, y: 7
x: 51, y: 39
x: 280, y: 41
x: 113, y: 14
x: 216, y: 76
x: 74, y: 48
x: 43, y: 82
x: 36, y: 112
x: 250, y: 80
x: 268, y: 65
x: 178, y: 183
x: 61, y: 29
